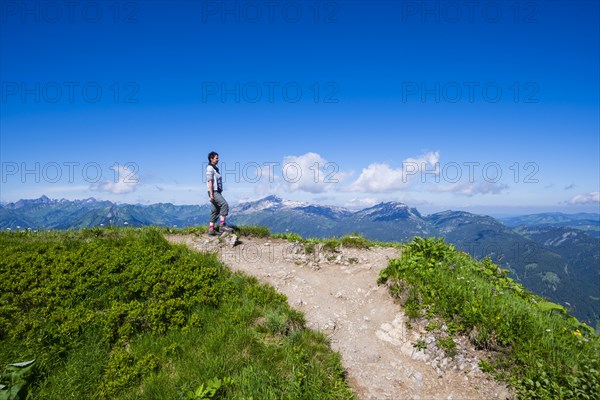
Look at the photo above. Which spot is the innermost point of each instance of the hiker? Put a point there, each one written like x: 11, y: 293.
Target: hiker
x: 220, y: 208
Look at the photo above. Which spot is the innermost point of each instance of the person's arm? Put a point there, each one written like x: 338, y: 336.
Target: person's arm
x: 210, y: 173
x: 211, y: 191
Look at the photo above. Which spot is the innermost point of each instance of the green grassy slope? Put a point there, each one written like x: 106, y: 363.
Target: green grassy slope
x: 122, y: 314
x: 534, y: 344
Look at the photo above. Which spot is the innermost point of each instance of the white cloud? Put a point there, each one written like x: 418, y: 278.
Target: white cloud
x: 310, y: 173
x: 470, y: 189
x: 126, y: 181
x: 361, y: 202
x: 268, y: 182
x: 380, y: 177
x: 585, y: 198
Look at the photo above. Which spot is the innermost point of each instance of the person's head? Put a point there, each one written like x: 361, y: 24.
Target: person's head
x: 213, y: 157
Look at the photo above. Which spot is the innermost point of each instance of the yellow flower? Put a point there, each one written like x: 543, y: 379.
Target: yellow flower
x: 577, y: 333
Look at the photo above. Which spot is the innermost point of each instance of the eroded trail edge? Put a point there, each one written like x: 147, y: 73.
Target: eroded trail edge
x: 339, y: 295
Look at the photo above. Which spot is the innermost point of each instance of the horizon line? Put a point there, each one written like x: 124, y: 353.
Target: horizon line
x: 352, y: 209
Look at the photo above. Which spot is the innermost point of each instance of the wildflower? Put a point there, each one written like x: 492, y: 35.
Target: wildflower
x: 577, y: 333
x: 452, y: 266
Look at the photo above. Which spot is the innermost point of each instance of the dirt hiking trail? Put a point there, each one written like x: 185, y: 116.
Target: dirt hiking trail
x: 339, y: 295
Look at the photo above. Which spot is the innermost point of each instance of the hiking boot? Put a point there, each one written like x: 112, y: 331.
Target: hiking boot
x: 212, y: 232
x: 225, y: 228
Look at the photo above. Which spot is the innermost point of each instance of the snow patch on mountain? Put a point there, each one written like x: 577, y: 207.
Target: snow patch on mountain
x: 268, y: 203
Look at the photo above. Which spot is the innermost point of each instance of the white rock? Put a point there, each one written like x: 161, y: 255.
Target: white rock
x: 330, y: 325
x: 386, y: 327
x: 231, y: 240
x: 419, y: 355
x: 418, y: 379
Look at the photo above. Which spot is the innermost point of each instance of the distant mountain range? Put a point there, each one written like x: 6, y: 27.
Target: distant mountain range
x: 587, y: 222
x: 555, y: 255
x: 44, y: 213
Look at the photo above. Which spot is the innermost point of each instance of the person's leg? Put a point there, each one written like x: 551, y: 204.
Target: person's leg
x: 223, y: 210
x: 214, y: 214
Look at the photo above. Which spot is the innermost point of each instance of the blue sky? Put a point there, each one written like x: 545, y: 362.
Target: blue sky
x: 486, y: 107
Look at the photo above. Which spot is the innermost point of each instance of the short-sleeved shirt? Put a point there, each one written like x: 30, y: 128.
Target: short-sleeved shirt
x: 213, y: 175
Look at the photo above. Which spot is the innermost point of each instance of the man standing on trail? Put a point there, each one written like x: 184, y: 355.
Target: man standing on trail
x: 220, y: 208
